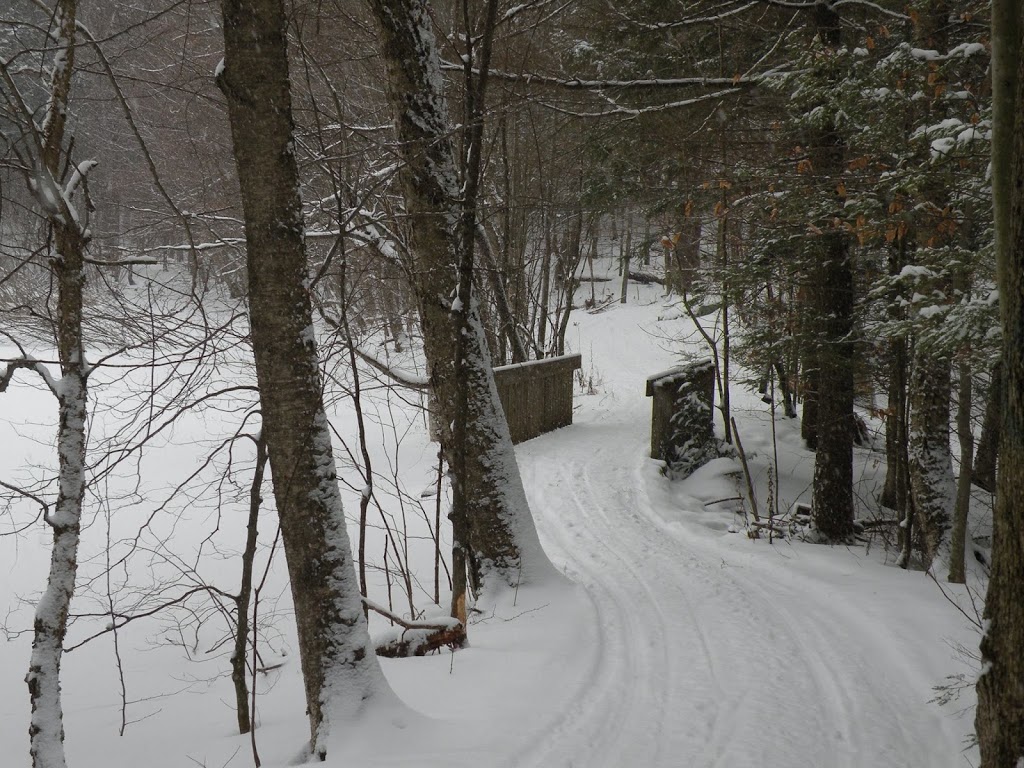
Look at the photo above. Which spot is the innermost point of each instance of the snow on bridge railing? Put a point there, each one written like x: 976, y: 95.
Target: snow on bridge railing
x: 682, y: 429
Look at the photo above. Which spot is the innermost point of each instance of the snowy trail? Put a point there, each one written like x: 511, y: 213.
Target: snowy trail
x: 704, y: 658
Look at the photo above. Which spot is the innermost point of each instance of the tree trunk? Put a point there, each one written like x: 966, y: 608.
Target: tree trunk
x: 497, y: 280
x: 545, y: 288
x: 809, y: 388
x: 239, y: 656
x: 503, y: 545
x: 833, y: 292
x: 1000, y: 716
x: 46, y: 725
x: 339, y: 669
x: 832, y: 493
x: 893, y: 494
x: 986, y: 459
x: 932, y: 483
x: 958, y: 543
x: 931, y: 466
x: 624, y: 263
x: 573, y: 255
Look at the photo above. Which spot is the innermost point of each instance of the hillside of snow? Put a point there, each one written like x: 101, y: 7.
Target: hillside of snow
x: 676, y: 640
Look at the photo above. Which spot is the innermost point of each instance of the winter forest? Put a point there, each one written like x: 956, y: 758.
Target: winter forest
x: 484, y: 383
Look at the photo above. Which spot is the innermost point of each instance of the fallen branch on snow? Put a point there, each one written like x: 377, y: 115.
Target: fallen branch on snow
x: 417, y: 638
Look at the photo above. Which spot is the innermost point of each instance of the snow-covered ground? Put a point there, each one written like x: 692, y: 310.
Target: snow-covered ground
x: 674, y: 642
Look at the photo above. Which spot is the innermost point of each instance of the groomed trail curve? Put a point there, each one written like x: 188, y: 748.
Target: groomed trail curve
x: 710, y: 649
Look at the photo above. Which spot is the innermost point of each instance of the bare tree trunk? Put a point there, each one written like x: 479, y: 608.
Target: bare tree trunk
x: 958, y: 543
x: 895, y: 429
x: 503, y: 545
x: 986, y: 459
x: 545, y: 288
x: 931, y: 469
x: 48, y: 157
x: 1000, y: 716
x: 624, y: 263
x: 339, y: 669
x: 568, y: 264
x: 809, y: 387
x: 506, y: 317
x: 832, y: 285
x: 239, y: 655
x: 894, y: 493
x: 723, y: 250
x: 832, y: 494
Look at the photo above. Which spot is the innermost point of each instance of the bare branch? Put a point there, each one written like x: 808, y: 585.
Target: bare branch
x: 591, y: 84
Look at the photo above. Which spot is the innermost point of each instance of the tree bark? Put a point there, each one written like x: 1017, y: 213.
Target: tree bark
x: 965, y: 436
x: 239, y: 669
x: 932, y: 482
x: 894, y: 494
x: 46, y: 725
x: 931, y: 466
x: 832, y: 493
x: 502, y: 545
x: 986, y: 459
x: 833, y: 291
x: 339, y: 669
x: 999, y: 721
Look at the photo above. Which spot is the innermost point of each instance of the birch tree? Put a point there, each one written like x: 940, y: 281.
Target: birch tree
x: 43, y: 154
x: 339, y: 668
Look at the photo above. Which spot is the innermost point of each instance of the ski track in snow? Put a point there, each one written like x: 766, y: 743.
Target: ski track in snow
x: 699, y: 662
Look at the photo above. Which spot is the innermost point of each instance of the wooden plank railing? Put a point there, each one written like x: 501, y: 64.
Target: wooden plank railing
x: 537, y: 395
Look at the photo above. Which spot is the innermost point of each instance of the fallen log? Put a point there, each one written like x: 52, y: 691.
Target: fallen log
x: 416, y: 638
x: 645, y: 278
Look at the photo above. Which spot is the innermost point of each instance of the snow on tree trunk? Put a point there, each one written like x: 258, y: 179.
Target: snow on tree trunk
x: 1000, y: 715
x: 339, y: 668
x: 46, y: 726
x: 932, y: 483
x: 503, y: 547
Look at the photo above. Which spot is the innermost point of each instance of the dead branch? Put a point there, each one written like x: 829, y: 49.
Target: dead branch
x: 419, y: 637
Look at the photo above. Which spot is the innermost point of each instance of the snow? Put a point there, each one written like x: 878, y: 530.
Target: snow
x: 915, y: 270
x: 81, y: 171
x: 671, y: 642
x: 967, y: 50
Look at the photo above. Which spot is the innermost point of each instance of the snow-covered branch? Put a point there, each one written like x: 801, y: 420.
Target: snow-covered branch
x: 812, y: 4
x: 406, y: 379
x: 689, y: 21
x: 411, y: 380
x: 29, y: 363
x: 595, y: 84
x: 618, y: 109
